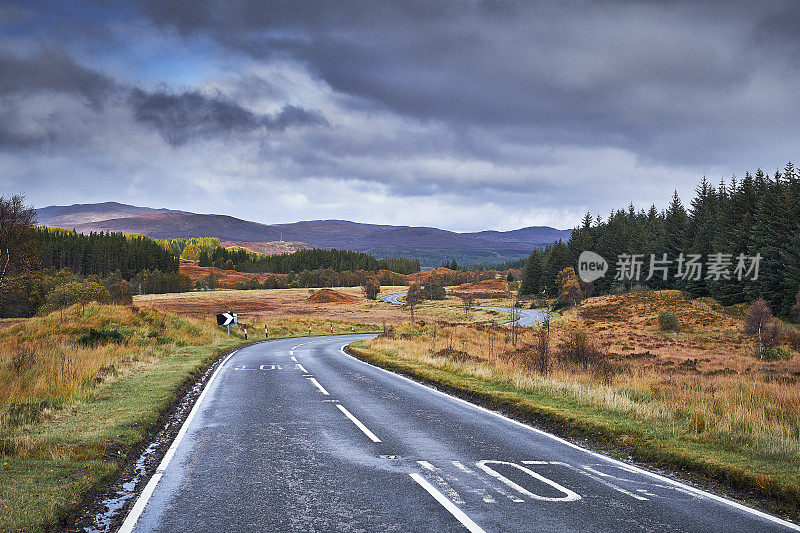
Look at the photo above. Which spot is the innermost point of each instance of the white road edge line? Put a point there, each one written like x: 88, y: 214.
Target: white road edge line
x: 447, y: 504
x: 141, y: 502
x: 663, y: 479
x: 320, y: 387
x: 358, y: 423
x: 301, y: 367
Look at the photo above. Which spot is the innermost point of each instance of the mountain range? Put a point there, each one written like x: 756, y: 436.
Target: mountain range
x: 431, y: 245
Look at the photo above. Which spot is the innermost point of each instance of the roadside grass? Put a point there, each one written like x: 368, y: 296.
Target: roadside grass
x: 726, y: 416
x: 66, y: 430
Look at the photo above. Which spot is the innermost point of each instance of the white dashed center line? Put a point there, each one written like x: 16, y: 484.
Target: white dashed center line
x: 358, y: 423
x: 320, y: 387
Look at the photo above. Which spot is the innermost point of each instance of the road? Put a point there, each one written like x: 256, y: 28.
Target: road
x: 295, y: 435
x: 527, y: 317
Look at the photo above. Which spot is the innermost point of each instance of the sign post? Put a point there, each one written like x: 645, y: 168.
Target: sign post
x: 226, y: 319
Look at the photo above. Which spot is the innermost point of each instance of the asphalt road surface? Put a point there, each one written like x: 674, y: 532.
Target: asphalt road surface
x: 527, y: 317
x: 295, y: 435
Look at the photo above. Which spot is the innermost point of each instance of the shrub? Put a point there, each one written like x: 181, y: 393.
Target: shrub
x: 668, y: 320
x: 757, y: 317
x: 248, y: 285
x: 760, y: 323
x: 435, y: 292
x: 95, y: 337
x: 777, y: 353
x: 541, y: 354
x: 558, y: 304
x: 578, y: 347
x: 772, y: 335
x: 792, y: 337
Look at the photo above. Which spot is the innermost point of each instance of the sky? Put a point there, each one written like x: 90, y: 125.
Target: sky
x: 460, y: 115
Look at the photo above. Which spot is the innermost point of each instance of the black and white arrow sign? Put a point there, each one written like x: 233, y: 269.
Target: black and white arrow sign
x: 226, y: 319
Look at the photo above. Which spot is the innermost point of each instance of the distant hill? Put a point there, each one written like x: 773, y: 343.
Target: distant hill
x: 431, y: 245
x: 67, y: 216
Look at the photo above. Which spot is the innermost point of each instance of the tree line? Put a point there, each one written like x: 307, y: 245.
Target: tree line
x: 44, y: 269
x: 102, y: 253
x: 311, y: 260
x: 736, y: 221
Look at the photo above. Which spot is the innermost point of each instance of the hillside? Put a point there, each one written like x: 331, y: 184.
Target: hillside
x: 67, y: 216
x: 268, y: 248
x: 432, y: 245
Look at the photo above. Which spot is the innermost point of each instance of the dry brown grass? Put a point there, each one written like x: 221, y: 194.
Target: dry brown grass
x: 226, y: 279
x: 330, y: 296
x: 705, y: 380
x: 42, y: 366
x: 256, y: 306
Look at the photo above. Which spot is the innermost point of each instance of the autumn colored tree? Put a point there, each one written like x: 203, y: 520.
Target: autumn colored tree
x: 371, y: 288
x: 760, y: 323
x: 468, y: 302
x: 191, y: 252
x: 413, y: 297
x: 18, y: 251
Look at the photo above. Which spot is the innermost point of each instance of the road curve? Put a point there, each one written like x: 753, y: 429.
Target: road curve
x: 527, y: 317
x: 295, y: 435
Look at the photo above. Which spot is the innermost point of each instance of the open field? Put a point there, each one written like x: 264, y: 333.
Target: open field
x: 698, y: 400
x: 255, y: 306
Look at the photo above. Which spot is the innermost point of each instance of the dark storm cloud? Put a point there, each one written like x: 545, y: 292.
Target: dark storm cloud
x: 179, y: 117
x: 52, y: 70
x: 188, y: 115
x: 668, y: 80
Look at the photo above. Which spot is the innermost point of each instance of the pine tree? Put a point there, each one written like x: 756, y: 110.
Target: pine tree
x: 769, y: 235
x: 532, y: 274
x: 673, y: 241
x: 700, y: 233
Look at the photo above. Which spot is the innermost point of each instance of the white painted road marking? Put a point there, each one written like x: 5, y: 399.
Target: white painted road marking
x: 442, y: 482
x: 294, y: 359
x: 302, y: 368
x: 144, y: 497
x: 590, y: 476
x: 663, y: 479
x: 486, y: 496
x: 447, y: 504
x: 569, y: 496
x: 358, y: 423
x: 320, y: 387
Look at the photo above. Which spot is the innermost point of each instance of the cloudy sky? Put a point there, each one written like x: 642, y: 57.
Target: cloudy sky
x: 461, y: 115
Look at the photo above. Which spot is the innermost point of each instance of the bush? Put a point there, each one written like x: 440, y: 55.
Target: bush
x: 558, y: 304
x: 778, y: 353
x: 248, y: 285
x: 577, y: 347
x: 96, y: 337
x: 435, y: 292
x: 757, y: 317
x: 792, y: 337
x: 772, y: 335
x: 668, y: 321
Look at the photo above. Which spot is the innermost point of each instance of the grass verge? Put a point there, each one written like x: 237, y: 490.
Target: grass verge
x: 771, y: 484
x: 71, y: 416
